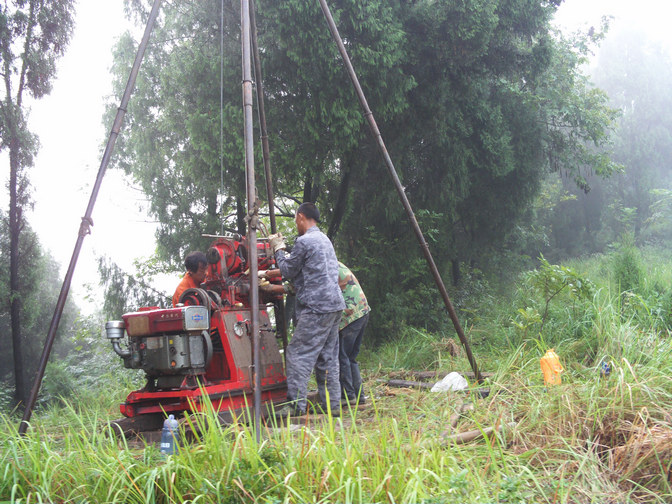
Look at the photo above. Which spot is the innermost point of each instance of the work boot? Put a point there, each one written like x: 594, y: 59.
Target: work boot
x: 296, y: 411
x: 321, y: 409
x: 361, y: 398
x: 290, y: 410
x: 354, y: 402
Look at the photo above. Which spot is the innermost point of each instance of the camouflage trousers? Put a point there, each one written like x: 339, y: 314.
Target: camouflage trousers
x: 314, y: 345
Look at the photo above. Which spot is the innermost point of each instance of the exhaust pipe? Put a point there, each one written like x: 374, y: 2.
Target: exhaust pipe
x: 115, y: 333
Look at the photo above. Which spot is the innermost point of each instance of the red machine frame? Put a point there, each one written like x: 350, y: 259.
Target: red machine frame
x: 178, y: 381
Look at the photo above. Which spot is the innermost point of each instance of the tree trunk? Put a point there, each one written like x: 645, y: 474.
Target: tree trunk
x: 590, y: 236
x: 339, y: 210
x: 308, y: 189
x: 240, y: 217
x: 457, y: 276
x: 15, y: 219
x: 311, y: 190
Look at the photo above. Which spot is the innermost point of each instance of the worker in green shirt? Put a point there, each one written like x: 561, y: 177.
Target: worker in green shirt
x: 351, y: 329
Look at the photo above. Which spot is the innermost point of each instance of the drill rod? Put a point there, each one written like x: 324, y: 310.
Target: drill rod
x: 278, y: 306
x: 252, y: 209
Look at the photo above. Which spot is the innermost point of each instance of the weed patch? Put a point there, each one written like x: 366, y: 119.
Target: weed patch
x: 595, y: 437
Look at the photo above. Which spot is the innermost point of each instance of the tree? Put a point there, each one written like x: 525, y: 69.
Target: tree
x: 124, y: 292
x: 478, y: 101
x: 636, y: 73
x: 171, y: 139
x: 33, y: 35
x: 39, y: 284
x: 499, y: 103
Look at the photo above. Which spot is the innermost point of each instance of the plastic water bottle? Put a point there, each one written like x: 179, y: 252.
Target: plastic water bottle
x: 605, y: 369
x: 169, y: 436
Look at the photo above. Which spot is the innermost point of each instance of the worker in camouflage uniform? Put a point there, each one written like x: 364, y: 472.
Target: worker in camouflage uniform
x: 313, y: 269
x: 351, y: 329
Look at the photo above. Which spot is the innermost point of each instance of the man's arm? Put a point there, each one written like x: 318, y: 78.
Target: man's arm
x: 290, y: 264
x: 343, y: 277
x: 185, y: 283
x: 271, y: 273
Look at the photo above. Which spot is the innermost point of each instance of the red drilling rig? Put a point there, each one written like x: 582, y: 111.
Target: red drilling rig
x: 200, y: 351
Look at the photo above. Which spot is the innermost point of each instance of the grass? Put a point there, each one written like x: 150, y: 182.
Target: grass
x: 593, y: 438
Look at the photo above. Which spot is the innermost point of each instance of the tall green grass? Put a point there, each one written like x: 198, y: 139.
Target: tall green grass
x: 595, y: 438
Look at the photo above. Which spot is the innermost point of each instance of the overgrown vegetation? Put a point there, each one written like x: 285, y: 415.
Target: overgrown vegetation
x: 40, y: 284
x: 33, y: 36
x: 596, y: 435
x: 482, y: 104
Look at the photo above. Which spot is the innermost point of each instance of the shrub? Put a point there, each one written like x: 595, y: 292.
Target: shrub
x: 628, y: 268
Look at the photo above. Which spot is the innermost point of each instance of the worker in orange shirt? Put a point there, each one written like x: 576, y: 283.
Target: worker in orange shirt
x: 196, y: 264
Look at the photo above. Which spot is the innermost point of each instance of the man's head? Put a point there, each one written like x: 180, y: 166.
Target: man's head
x: 307, y: 216
x: 196, y: 264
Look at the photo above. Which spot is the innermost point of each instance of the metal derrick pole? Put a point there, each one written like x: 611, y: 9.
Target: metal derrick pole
x: 373, y: 126
x: 87, y: 221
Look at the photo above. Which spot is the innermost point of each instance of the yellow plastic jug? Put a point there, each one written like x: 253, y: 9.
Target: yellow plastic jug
x: 551, y: 367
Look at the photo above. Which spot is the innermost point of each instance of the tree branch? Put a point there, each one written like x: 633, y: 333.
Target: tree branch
x: 26, y: 52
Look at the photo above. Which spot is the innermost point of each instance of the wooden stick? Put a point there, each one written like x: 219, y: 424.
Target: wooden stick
x: 466, y: 437
x: 427, y: 375
x: 455, y: 417
x: 483, y: 392
x: 411, y: 384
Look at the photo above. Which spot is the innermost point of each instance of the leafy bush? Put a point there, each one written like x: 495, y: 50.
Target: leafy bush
x: 666, y: 311
x: 628, y: 267
x: 550, y: 280
x: 399, y: 287
x: 6, y: 396
x: 555, y: 303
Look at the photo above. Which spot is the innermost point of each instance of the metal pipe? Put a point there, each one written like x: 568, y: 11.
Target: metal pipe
x: 266, y: 151
x: 87, y: 222
x: 279, y: 306
x: 116, y: 346
x: 252, y: 208
x: 400, y: 189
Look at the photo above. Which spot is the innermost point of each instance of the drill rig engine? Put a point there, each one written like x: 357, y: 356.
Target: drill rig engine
x: 203, y: 346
